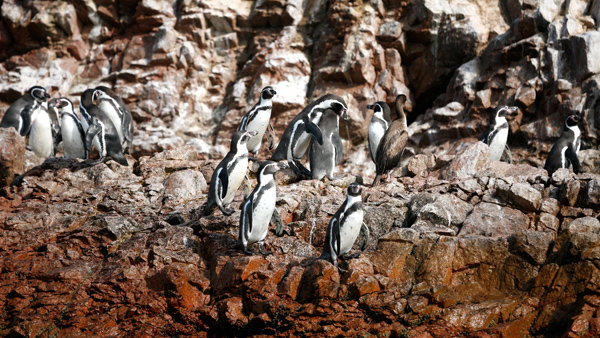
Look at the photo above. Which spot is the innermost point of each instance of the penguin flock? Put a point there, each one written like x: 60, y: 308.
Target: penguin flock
x: 316, y: 130
x: 105, y: 124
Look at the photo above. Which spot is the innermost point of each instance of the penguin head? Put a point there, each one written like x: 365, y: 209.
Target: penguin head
x: 503, y: 111
x: 381, y: 108
x: 338, y: 105
x: 240, y: 138
x: 271, y: 167
x: 354, y: 190
x: 267, y: 93
x: 39, y: 93
x: 96, y: 95
x: 572, y: 121
x: 62, y: 102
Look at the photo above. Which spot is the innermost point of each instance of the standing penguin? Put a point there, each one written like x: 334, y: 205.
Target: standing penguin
x: 258, y: 119
x: 23, y: 112
x: 229, y: 174
x: 54, y: 123
x: 391, y: 146
x: 118, y: 112
x: 565, y: 149
x: 102, y: 132
x: 324, y: 157
x: 296, y: 137
x: 380, y: 123
x: 344, y: 227
x: 496, y: 134
x: 258, y: 208
x: 73, y: 135
x: 41, y: 141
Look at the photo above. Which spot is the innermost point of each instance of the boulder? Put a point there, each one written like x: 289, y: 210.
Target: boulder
x: 12, y: 155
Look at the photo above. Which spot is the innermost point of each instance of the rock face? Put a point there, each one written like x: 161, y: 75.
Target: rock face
x: 459, y: 246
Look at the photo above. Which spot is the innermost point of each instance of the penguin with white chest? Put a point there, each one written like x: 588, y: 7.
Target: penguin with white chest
x: 229, y: 174
x: 344, y: 227
x: 380, y: 122
x: 54, y: 123
x: 258, y: 119
x: 324, y: 157
x: 118, y: 112
x: 41, y: 141
x: 23, y: 112
x: 101, y: 131
x: 496, y: 134
x: 564, y: 151
x: 296, y: 138
x: 73, y: 135
x: 258, y: 209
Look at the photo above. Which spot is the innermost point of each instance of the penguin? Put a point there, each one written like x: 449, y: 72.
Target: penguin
x: 101, y: 131
x: 22, y: 112
x: 54, y: 123
x: 391, y: 146
x: 324, y: 157
x: 258, y: 119
x: 72, y: 132
x: 380, y: 123
x: 344, y: 227
x: 118, y: 112
x: 295, y: 139
x: 229, y: 174
x: 258, y: 209
x: 496, y: 134
x: 41, y: 141
x: 565, y: 149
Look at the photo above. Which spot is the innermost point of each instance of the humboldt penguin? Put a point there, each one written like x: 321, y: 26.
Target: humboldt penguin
x: 258, y: 208
x: 324, y: 157
x: 258, y: 119
x: 296, y: 137
x: 391, y: 146
x: 101, y: 131
x: 229, y: 174
x: 380, y: 123
x: 344, y: 227
x: 73, y: 135
x: 54, y: 123
x: 496, y: 134
x: 41, y: 141
x: 22, y: 112
x: 118, y: 112
x: 565, y: 149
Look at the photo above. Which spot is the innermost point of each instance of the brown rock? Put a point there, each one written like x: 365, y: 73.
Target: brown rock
x: 474, y: 158
x: 320, y: 280
x: 495, y: 221
x: 364, y: 285
x: 12, y: 155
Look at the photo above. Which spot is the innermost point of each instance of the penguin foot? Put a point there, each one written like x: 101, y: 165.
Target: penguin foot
x: 248, y: 252
x: 341, y: 271
x: 226, y: 211
x: 261, y: 248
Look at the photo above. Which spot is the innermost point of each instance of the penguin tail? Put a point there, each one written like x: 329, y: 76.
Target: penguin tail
x: 376, y: 180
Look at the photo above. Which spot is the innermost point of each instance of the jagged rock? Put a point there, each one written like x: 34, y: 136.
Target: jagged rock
x: 474, y: 158
x: 12, y: 155
x: 521, y: 195
x: 493, y: 220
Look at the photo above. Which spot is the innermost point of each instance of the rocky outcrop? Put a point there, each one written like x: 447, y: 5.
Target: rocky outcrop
x: 99, y: 249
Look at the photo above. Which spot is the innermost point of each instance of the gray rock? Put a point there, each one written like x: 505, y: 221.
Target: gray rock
x: 474, y: 158
x: 531, y: 245
x: 569, y: 192
x: 548, y: 222
x: 585, y: 49
x: 590, y: 194
x: 495, y: 221
x: 184, y: 185
x: 522, y: 195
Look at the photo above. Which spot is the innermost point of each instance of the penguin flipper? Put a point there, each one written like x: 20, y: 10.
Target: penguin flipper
x: 314, y: 130
x: 244, y: 123
x: 339, y: 148
x: 365, y: 234
x: 270, y: 135
x: 276, y: 219
x: 223, y: 178
x: 507, y: 155
x: 336, y: 239
x: 92, y: 131
x: 572, y: 156
x: 26, y: 119
x: 485, y: 137
x: 125, y: 127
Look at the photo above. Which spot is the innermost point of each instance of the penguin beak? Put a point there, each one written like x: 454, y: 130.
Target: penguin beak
x: 576, y: 118
x: 345, y: 114
x: 273, y: 92
x: 282, y: 166
x: 53, y: 104
x: 46, y: 95
x: 512, y: 109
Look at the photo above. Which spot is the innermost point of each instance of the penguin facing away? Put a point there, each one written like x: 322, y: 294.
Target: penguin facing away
x: 73, y: 135
x: 344, y: 227
x: 380, y: 123
x: 324, y: 157
x: 296, y: 137
x: 229, y: 174
x: 258, y: 209
x: 564, y: 151
x: 258, y: 118
x: 391, y: 146
x: 496, y: 134
x: 101, y: 132
x: 118, y: 112
x: 41, y: 141
x: 23, y: 111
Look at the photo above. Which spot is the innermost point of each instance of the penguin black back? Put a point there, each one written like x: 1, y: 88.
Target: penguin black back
x: 565, y: 149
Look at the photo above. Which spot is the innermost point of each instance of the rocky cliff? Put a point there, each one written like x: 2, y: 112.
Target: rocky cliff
x: 459, y: 246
